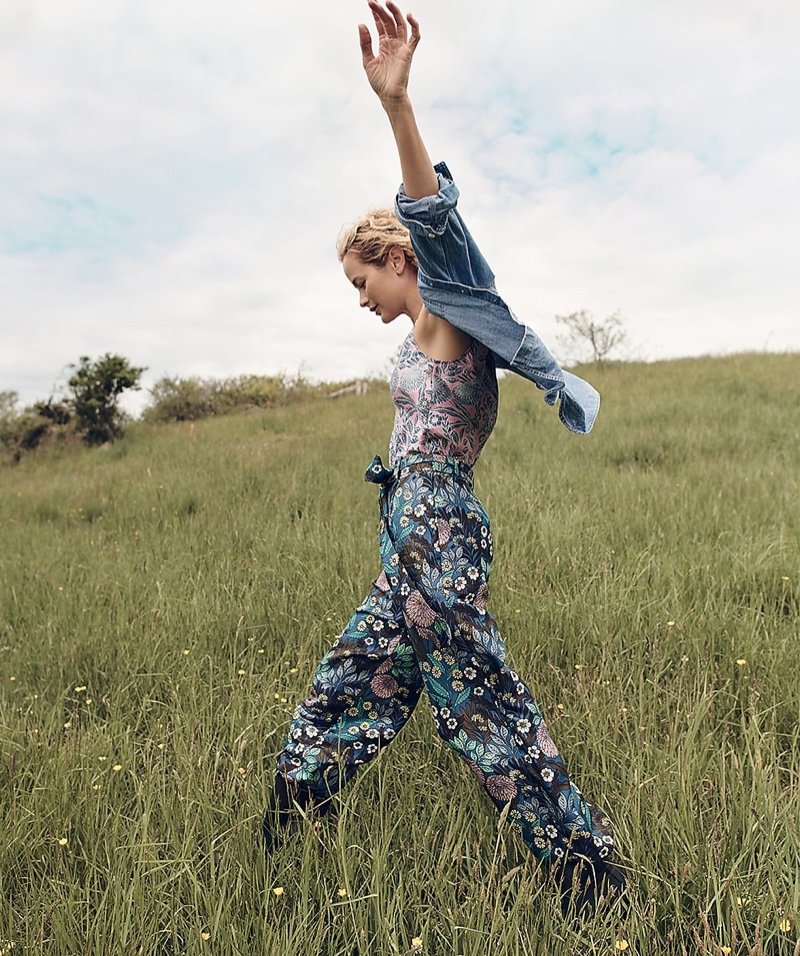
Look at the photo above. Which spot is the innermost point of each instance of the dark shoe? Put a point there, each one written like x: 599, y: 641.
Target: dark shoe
x: 281, y: 816
x: 288, y: 805
x: 584, y: 885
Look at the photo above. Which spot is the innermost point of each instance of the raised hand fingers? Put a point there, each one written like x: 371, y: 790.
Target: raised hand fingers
x: 384, y: 23
x: 389, y: 20
x: 399, y: 20
x: 415, y: 34
x: 365, y: 41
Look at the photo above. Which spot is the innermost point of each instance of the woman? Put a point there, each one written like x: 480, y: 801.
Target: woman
x: 425, y: 623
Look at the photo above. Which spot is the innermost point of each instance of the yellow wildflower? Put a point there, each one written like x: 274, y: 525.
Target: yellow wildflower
x: 205, y: 936
x: 341, y: 893
x: 277, y: 890
x: 62, y: 841
x: 117, y: 767
x: 725, y: 950
x: 81, y: 689
x: 416, y: 943
x: 786, y: 925
x: 742, y: 662
x: 621, y: 945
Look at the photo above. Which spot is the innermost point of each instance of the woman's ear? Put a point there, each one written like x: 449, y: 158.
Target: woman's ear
x: 396, y: 260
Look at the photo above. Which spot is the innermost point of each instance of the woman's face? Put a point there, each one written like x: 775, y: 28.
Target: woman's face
x: 381, y: 289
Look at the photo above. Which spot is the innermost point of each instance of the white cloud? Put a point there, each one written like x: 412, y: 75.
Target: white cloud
x: 173, y: 176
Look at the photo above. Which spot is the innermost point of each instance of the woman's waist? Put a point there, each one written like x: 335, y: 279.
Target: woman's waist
x: 437, y: 464
x: 409, y: 464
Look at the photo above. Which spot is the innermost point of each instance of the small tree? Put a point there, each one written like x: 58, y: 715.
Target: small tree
x: 95, y: 389
x: 585, y: 337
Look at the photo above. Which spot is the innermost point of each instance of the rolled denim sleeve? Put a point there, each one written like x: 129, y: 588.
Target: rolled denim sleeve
x: 428, y: 216
x: 442, y: 243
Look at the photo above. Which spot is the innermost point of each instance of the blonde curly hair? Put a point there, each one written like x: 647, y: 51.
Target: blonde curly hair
x: 372, y: 236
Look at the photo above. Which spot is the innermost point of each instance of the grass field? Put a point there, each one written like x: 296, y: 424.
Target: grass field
x: 163, y: 604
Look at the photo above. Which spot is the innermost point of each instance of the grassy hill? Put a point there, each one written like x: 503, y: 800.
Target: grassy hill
x: 163, y: 604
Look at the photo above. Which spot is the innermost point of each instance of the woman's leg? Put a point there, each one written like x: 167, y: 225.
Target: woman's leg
x: 362, y: 693
x: 483, y: 710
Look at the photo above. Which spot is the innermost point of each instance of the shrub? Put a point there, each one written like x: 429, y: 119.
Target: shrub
x: 188, y: 399
x: 96, y: 387
x: 23, y: 431
x: 179, y: 400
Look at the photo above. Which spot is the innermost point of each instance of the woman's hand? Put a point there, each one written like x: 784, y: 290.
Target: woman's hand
x: 388, y: 71
x: 388, y: 76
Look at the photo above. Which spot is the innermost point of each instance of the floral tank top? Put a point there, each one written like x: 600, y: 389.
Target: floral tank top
x: 442, y: 409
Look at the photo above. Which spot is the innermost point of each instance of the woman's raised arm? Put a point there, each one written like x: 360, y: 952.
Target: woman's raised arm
x: 388, y: 74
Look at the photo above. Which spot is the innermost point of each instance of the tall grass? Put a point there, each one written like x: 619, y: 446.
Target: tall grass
x: 163, y: 604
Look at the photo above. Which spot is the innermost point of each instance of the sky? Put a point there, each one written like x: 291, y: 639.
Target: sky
x: 173, y: 176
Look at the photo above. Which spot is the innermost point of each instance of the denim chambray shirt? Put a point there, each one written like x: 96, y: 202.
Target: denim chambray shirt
x: 456, y: 283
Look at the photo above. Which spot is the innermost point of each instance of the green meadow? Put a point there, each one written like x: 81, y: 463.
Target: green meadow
x: 163, y: 603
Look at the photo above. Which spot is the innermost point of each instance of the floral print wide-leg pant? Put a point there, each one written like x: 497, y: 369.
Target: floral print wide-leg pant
x: 425, y: 624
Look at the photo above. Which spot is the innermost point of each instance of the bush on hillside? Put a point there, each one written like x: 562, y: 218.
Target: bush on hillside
x: 189, y: 399
x: 94, y: 401
x: 25, y: 430
x: 90, y: 409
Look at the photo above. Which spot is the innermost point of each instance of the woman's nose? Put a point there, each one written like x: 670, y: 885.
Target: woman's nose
x: 362, y: 299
